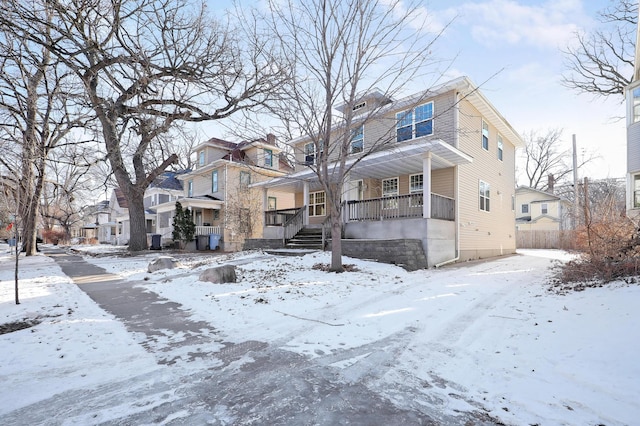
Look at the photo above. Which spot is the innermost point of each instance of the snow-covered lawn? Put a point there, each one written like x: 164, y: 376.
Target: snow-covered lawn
x: 489, y: 332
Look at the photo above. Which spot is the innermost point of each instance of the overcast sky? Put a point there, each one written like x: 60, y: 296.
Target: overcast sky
x: 512, y: 48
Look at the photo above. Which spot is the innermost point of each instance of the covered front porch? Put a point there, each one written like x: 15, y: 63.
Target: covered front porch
x: 408, y: 191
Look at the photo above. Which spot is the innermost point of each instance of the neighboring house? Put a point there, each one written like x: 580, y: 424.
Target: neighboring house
x: 541, y: 211
x: 218, y: 194
x: 90, y: 219
x: 116, y: 229
x: 445, y: 178
x: 632, y: 95
x: 164, y: 191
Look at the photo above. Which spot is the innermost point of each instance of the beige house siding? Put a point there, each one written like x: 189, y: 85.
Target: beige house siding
x: 443, y: 182
x: 484, y: 234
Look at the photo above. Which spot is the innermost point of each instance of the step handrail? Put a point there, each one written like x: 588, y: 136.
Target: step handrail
x: 293, y: 225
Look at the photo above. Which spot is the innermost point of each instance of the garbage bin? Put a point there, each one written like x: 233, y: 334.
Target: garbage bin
x: 156, y: 242
x: 12, y: 242
x: 214, y: 240
x: 202, y: 242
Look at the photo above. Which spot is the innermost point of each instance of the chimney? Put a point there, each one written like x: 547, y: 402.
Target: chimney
x: 550, y: 183
x: 271, y: 139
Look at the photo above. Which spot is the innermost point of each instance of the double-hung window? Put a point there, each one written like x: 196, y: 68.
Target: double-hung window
x: 271, y: 203
x: 485, y: 135
x: 500, y: 147
x: 524, y: 208
x: 317, y: 203
x: 214, y: 181
x: 357, y: 139
x: 485, y: 195
x: 190, y: 188
x: 544, y: 208
x: 414, y: 123
x: 245, y: 179
x: 390, y: 189
x: 311, y: 154
x: 201, y: 158
x: 416, y: 186
x: 268, y: 158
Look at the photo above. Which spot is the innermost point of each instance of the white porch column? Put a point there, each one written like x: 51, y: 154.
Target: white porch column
x: 305, y: 201
x: 426, y: 186
x: 347, y: 193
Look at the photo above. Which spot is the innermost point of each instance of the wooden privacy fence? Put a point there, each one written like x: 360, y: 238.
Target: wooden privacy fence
x: 545, y: 239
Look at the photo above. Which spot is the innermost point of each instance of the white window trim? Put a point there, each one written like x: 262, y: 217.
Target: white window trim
x: 482, y: 139
x: 313, y: 196
x: 270, y: 156
x: 390, y: 204
x: 522, y: 206
x: 351, y: 151
x: 543, y: 207
x: 480, y: 197
x: 500, y: 148
x: 414, y: 122
x: 413, y: 191
x: 215, y: 182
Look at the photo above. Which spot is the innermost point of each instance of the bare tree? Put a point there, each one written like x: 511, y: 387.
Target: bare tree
x: 342, y: 50
x: 543, y: 156
x: 145, y: 66
x: 601, y: 62
x: 38, y: 110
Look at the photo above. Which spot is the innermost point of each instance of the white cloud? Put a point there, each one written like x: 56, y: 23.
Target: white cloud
x: 498, y: 22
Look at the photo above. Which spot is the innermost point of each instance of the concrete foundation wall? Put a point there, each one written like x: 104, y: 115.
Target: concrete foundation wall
x: 260, y: 243
x: 407, y: 253
x: 437, y: 236
x: 273, y: 232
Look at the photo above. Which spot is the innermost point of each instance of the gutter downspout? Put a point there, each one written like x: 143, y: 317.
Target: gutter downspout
x: 457, y: 185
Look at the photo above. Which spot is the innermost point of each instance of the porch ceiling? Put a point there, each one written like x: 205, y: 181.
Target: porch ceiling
x: 404, y: 158
x: 201, y: 203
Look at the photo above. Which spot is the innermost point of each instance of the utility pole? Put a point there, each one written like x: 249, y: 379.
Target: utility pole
x: 576, y: 203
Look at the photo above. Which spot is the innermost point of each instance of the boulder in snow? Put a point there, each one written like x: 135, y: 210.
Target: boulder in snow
x: 163, y: 262
x: 219, y: 274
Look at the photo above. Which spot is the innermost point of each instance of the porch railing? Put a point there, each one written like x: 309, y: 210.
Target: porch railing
x: 400, y: 207
x: 206, y: 230
x: 294, y: 224
x: 278, y: 217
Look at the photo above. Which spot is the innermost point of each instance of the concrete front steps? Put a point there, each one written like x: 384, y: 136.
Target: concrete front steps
x: 307, y: 238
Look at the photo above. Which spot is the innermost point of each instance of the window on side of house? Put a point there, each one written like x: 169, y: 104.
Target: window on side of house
x: 317, y: 203
x: 245, y: 179
x: 485, y: 196
x: 268, y: 158
x: 544, y: 208
x: 271, y: 203
x: 485, y: 135
x: 190, y: 188
x: 390, y: 189
x: 636, y: 191
x: 524, y: 208
x: 357, y: 139
x: 201, y: 158
x: 500, y: 147
x: 214, y: 181
x: 414, y: 123
x: 636, y: 105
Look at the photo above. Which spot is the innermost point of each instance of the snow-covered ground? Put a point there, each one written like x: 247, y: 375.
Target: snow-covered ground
x: 490, y: 332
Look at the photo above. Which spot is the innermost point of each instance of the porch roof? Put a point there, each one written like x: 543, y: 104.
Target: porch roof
x: 403, y: 158
x: 201, y: 203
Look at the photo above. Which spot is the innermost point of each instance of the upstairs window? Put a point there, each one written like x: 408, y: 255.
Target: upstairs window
x: 544, y: 208
x: 485, y: 135
x: 201, y: 158
x: 214, y: 181
x: 357, y: 139
x: 310, y: 154
x: 190, y: 188
x: 500, y: 147
x: 414, y: 123
x: 485, y: 195
x: 268, y: 158
x: 524, y: 208
x: 245, y: 179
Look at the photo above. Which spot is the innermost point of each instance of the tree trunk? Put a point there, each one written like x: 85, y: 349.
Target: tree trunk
x: 137, y: 223
x: 336, y: 238
x: 29, y: 233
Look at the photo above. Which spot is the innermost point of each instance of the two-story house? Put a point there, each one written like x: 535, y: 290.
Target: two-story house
x: 538, y: 210
x: 218, y: 190
x: 443, y: 173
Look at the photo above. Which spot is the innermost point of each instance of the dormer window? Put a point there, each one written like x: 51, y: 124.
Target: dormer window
x: 201, y: 158
x: 359, y: 106
x: 268, y: 158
